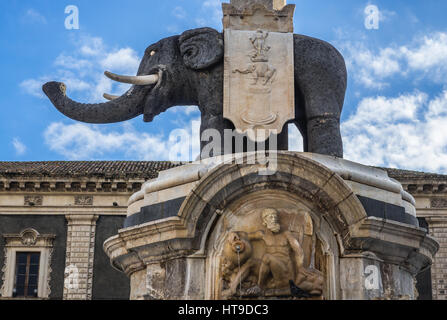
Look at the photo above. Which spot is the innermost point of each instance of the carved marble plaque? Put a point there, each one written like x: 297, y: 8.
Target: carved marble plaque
x: 439, y: 203
x: 83, y: 200
x: 33, y: 200
x: 258, y: 81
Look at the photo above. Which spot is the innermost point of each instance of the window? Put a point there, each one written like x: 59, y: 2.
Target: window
x: 27, y: 270
x: 27, y: 275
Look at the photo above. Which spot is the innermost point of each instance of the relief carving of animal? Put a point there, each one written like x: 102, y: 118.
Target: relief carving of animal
x: 237, y: 263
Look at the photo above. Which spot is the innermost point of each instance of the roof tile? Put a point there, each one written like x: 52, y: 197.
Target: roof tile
x: 113, y: 169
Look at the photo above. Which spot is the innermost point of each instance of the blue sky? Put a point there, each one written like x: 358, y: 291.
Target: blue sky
x: 395, y: 111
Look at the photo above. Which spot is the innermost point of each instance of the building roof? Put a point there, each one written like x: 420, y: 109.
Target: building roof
x: 107, y: 169
x: 137, y: 169
x: 399, y: 174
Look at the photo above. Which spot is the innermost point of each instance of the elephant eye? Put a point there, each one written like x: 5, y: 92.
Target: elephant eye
x: 153, y: 52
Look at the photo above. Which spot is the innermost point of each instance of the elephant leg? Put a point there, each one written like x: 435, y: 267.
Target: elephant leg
x: 212, y: 135
x: 318, y: 119
x: 318, y: 109
x: 283, y: 139
x: 320, y: 82
x: 324, y: 136
x: 323, y: 125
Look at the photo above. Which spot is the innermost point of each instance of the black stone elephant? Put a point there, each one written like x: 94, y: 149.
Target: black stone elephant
x: 189, y: 70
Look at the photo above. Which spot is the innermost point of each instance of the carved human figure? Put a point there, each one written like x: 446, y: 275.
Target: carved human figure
x: 277, y: 259
x: 261, y: 48
x: 278, y: 246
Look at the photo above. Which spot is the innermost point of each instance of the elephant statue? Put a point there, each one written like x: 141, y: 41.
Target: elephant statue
x: 189, y: 70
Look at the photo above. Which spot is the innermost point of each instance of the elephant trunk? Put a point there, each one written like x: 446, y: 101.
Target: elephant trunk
x: 128, y: 106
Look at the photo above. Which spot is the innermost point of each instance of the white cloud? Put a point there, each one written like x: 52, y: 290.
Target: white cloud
x: 125, y: 59
x: 295, y: 139
x: 187, y: 110
x: 91, y: 46
x: 81, y: 141
x: 173, y: 28
x: 431, y: 52
x: 429, y: 56
x: 83, y: 70
x: 373, y: 68
x: 386, y: 15
x: 179, y: 12
x: 393, y: 132
x: 19, y: 147
x: 69, y: 62
x: 33, y: 16
x: 210, y: 14
x: 33, y: 87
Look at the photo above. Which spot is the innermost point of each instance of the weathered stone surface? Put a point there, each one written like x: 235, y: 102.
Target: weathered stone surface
x: 366, y: 277
x: 269, y: 4
x: 254, y: 15
x: 265, y: 250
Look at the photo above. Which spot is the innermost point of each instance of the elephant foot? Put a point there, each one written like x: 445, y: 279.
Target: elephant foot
x: 324, y: 136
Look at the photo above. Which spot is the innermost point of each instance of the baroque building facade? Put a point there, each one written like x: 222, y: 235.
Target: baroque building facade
x: 63, y: 212
x: 55, y: 217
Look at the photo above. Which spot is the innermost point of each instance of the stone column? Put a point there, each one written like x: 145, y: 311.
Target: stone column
x: 79, y: 257
x: 438, y: 230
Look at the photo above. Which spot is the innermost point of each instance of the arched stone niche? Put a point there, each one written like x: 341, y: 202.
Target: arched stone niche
x: 234, y: 258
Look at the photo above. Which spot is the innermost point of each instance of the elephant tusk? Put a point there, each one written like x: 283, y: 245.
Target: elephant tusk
x: 110, y: 96
x: 137, y: 80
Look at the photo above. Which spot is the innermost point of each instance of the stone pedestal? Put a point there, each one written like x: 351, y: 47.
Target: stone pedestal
x: 305, y: 227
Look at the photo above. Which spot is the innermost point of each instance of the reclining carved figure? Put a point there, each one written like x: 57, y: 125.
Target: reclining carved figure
x: 281, y: 262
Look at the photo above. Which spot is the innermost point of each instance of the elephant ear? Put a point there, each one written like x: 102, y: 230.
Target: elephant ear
x: 201, y: 48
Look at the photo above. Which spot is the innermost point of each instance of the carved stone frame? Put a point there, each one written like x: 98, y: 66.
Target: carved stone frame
x: 29, y: 240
